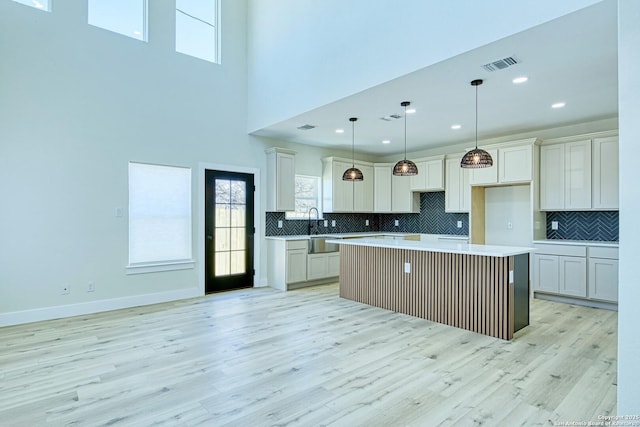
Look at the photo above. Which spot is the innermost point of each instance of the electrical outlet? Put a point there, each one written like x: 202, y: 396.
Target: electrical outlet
x: 91, y: 287
x: 326, y: 222
x: 407, y: 267
x: 279, y: 223
x: 119, y: 212
x: 65, y: 290
x: 366, y: 222
x: 397, y: 222
x: 509, y: 225
x: 333, y: 222
x: 554, y: 225
x: 459, y: 224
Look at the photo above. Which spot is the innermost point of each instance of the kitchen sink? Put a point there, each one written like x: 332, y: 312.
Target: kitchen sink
x: 319, y: 245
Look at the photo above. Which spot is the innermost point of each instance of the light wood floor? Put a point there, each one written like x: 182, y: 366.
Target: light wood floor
x: 262, y: 357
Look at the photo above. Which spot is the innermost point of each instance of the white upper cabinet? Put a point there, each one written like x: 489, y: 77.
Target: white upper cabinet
x: 382, y: 174
x: 552, y: 177
x: 430, y: 175
x: 512, y: 164
x: 605, y: 171
x: 281, y: 178
x: 337, y: 195
x: 579, y: 175
x: 486, y: 176
x: 515, y: 164
x: 403, y: 200
x: 363, y: 190
x: 346, y: 196
x: 457, y: 194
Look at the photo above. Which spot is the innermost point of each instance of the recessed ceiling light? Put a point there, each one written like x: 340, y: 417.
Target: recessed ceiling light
x: 519, y: 80
x: 339, y: 130
x: 558, y: 105
x: 137, y: 33
x: 386, y: 141
x: 456, y: 127
x: 411, y: 110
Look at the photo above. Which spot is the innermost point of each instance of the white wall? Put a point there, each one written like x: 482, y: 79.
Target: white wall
x: 77, y: 103
x: 629, y: 291
x: 504, y: 206
x: 307, y: 53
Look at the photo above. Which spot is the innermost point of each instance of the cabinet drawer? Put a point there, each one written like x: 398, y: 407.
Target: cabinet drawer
x: 603, y: 252
x: 563, y: 250
x: 296, y: 244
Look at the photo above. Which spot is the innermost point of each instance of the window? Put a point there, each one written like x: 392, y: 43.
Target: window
x: 197, y: 28
x: 126, y: 17
x: 308, y: 195
x: 159, y: 215
x: 38, y: 4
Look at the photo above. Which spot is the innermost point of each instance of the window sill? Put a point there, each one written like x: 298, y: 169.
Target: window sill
x: 159, y: 266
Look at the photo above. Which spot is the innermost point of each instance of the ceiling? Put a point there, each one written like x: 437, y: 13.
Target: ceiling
x: 572, y: 59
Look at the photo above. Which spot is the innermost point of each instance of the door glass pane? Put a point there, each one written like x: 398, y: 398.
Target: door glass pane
x: 222, y: 239
x: 222, y: 263
x: 238, y: 192
x: 223, y: 191
x: 237, y: 262
x: 238, y: 215
x: 238, y: 237
x: 223, y: 217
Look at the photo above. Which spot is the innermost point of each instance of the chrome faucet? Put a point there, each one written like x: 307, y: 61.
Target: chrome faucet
x: 309, y: 221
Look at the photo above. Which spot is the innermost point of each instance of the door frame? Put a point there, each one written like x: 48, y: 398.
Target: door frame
x: 257, y: 220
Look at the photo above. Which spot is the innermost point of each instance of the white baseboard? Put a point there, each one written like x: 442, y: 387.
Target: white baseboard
x: 261, y: 283
x: 60, y: 311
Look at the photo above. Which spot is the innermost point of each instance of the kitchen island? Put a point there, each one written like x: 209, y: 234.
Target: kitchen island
x: 481, y: 288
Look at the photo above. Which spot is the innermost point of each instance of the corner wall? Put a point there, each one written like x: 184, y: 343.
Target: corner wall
x: 77, y: 103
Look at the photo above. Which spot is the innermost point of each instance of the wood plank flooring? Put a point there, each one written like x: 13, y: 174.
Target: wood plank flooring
x: 261, y: 357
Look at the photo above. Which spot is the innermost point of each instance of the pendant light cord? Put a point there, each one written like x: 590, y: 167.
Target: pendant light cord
x: 353, y: 143
x: 476, y: 117
x: 405, y: 132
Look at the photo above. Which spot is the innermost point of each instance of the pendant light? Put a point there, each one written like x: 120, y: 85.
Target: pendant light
x: 353, y: 173
x: 405, y: 167
x: 476, y: 158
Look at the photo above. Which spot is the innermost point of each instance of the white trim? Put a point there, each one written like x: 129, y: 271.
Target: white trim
x: 62, y: 311
x: 160, y: 266
x: 257, y: 218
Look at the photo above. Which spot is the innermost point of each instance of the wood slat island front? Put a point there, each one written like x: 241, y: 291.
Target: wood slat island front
x: 481, y: 288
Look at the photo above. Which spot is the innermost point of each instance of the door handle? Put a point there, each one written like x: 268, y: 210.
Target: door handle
x: 209, y: 237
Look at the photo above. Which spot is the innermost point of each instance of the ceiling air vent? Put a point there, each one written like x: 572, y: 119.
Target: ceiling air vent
x: 306, y: 127
x: 390, y: 117
x: 500, y: 64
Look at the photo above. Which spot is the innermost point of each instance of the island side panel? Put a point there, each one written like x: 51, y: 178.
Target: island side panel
x: 466, y: 291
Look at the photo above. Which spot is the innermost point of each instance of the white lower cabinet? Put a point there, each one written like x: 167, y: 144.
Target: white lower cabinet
x: 603, y: 273
x: 322, y: 266
x: 573, y: 276
x: 296, y: 261
x: 333, y: 262
x: 576, y: 271
x: 564, y: 275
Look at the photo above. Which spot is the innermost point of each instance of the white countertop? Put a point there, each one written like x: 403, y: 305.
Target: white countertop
x: 361, y: 234
x: 445, y: 247
x: 577, y: 242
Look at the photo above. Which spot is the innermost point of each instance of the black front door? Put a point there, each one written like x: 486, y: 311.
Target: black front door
x: 229, y: 230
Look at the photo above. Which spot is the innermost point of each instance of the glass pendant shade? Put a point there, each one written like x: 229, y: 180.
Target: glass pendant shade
x: 353, y: 173
x: 405, y: 167
x: 476, y: 158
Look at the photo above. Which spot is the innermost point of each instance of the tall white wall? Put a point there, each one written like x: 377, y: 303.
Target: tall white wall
x: 307, y: 53
x: 629, y: 290
x: 77, y: 103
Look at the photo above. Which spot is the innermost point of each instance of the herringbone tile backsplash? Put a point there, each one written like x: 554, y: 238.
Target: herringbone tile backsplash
x: 591, y: 225
x: 432, y: 219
